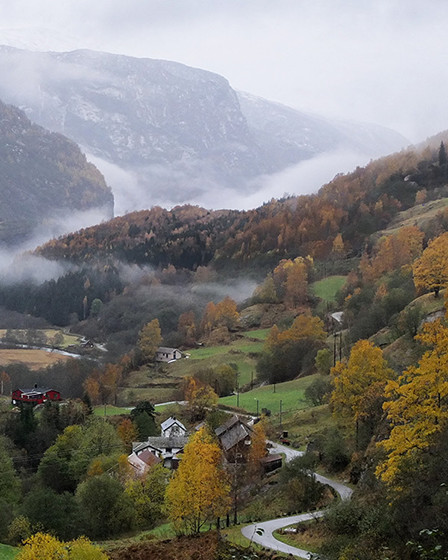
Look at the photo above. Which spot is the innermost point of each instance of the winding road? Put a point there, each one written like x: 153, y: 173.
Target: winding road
x: 267, y: 539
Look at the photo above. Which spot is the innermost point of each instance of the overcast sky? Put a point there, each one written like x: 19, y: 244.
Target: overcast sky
x: 381, y: 61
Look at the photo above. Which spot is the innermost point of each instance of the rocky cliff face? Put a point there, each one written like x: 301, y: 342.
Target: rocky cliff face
x: 177, y: 131
x: 43, y: 177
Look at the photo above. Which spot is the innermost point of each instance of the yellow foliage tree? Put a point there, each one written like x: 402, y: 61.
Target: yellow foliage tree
x: 42, y: 546
x: 200, y: 397
x: 359, y: 383
x: 304, y: 326
x: 431, y: 269
x: 417, y: 405
x: 198, y: 491
x: 227, y: 313
x: 149, y: 339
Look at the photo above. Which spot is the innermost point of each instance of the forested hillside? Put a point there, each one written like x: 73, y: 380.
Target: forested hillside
x: 43, y: 176
x: 323, y: 314
x: 339, y: 218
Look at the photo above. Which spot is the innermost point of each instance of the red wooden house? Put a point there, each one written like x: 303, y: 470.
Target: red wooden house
x: 36, y: 395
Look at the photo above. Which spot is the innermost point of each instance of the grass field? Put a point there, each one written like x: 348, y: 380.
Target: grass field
x: 8, y: 552
x: 418, y: 215
x: 69, y: 339
x: 327, y: 288
x: 240, y: 352
x: 290, y: 393
x: 34, y: 359
x: 110, y: 410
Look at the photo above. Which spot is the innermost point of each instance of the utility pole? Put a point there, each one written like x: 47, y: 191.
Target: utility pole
x: 281, y: 413
x: 334, y: 348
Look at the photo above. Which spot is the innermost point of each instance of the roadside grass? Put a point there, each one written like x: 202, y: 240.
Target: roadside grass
x: 110, y: 410
x: 235, y: 536
x: 305, y: 424
x: 310, y: 536
x: 290, y: 394
x: 8, y: 552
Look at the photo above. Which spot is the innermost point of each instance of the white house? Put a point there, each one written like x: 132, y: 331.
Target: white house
x: 165, y: 447
x: 172, y: 427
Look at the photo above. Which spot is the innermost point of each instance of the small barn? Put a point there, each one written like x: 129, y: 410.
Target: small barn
x: 36, y: 395
x: 235, y: 439
x: 165, y: 354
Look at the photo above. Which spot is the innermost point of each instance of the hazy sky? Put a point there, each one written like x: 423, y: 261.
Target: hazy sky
x: 381, y: 61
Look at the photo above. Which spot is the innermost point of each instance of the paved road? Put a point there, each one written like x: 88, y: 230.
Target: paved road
x: 267, y: 539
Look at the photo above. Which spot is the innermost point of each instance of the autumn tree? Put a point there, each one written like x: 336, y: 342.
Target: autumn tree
x: 149, y: 339
x: 227, y: 313
x: 257, y: 449
x: 292, y: 351
x: 358, y: 384
x: 200, y: 397
x: 222, y: 378
x: 290, y: 279
x: 127, y: 432
x: 186, y: 327
x: 209, y: 318
x: 41, y: 546
x: 417, y: 406
x: 338, y: 248
x: 198, y: 491
x: 109, y: 382
x: 92, y: 389
x: 265, y: 292
x: 431, y: 269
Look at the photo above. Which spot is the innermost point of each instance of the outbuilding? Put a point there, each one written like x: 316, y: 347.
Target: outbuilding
x: 36, y: 395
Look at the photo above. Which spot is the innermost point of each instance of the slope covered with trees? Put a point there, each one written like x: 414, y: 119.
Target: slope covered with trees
x: 334, y: 223
x: 42, y: 176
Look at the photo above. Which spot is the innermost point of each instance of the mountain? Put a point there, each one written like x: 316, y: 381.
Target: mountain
x: 352, y: 207
x: 165, y: 133
x: 43, y: 177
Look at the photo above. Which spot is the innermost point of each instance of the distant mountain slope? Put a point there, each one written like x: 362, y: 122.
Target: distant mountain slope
x: 351, y: 207
x: 178, y: 131
x: 42, y: 175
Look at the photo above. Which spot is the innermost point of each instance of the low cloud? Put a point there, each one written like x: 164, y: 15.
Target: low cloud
x: 168, y: 186
x: 25, y: 267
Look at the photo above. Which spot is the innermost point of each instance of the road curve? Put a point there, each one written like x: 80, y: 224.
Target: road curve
x: 267, y: 539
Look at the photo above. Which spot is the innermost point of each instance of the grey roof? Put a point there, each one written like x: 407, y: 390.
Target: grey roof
x: 232, y: 432
x: 167, y: 350
x: 160, y: 443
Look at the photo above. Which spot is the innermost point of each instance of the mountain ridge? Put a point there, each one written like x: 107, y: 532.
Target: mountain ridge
x: 179, y: 131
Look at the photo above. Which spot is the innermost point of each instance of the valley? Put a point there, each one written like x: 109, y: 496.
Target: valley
x: 188, y: 342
